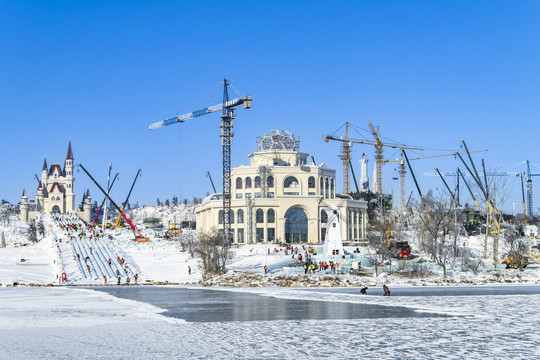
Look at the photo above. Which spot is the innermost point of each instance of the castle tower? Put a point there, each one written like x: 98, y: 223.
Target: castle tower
x: 39, y: 197
x: 68, y: 173
x: 44, y: 173
x: 24, y: 206
x: 87, y: 207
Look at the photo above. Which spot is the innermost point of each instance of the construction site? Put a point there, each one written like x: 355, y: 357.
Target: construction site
x: 285, y: 200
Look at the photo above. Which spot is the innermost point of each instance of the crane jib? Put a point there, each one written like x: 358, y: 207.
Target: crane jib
x: 200, y: 112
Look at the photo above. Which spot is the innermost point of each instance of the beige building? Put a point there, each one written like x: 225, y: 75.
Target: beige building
x: 281, y: 197
x: 55, y: 192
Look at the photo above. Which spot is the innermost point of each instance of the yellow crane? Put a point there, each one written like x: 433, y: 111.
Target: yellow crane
x: 346, y: 154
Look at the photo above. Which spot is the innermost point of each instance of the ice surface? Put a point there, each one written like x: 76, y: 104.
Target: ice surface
x: 56, y: 323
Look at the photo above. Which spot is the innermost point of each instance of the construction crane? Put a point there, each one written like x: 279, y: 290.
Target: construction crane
x: 119, y: 220
x: 104, y: 199
x: 227, y: 116
x: 138, y: 236
x: 526, y: 216
x: 346, y: 154
x: 530, y: 212
x: 403, y: 171
x: 211, y: 181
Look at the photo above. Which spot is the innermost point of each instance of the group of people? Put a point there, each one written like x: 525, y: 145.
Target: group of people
x: 73, y: 226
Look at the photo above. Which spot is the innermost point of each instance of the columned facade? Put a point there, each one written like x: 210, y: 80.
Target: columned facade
x: 280, y: 197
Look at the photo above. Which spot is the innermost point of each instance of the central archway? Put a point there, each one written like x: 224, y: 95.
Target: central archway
x: 55, y: 209
x: 296, y: 226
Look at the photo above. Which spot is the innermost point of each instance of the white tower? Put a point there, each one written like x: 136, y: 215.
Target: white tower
x: 24, y: 207
x: 364, y: 178
x: 87, y: 207
x: 333, y: 244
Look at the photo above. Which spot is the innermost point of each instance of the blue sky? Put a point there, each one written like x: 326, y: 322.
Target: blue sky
x: 429, y: 73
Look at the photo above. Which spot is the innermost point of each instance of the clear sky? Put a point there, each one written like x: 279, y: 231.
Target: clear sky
x: 428, y: 73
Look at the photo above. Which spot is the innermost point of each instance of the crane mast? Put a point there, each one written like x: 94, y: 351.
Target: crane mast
x: 346, y: 159
x: 378, y: 157
x: 226, y: 135
x: 530, y: 211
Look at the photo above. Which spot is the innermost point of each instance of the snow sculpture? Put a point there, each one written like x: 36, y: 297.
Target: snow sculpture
x: 333, y: 244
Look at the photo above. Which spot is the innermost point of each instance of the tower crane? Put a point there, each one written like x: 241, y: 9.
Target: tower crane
x: 529, y: 182
x: 523, y: 200
x: 227, y: 109
x: 346, y: 155
x: 402, y: 170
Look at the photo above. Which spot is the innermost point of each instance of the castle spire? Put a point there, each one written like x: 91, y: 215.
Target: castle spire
x: 23, y: 193
x: 70, y: 152
x: 45, y: 164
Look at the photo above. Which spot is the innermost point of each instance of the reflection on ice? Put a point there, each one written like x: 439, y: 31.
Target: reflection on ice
x: 205, y: 305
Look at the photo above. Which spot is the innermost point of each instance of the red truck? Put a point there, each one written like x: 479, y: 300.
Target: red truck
x: 402, y: 250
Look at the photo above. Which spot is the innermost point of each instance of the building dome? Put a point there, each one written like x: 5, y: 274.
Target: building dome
x: 278, y: 140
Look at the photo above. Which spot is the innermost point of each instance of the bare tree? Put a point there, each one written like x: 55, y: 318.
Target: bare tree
x: 379, y: 231
x: 436, y: 220
x: 516, y: 246
x: 214, y: 251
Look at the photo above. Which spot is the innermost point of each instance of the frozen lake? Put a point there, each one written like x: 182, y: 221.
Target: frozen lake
x: 496, y: 322
x: 204, y: 305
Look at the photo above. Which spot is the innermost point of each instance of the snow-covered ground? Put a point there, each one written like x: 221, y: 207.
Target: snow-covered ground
x: 67, y: 323
x: 163, y: 261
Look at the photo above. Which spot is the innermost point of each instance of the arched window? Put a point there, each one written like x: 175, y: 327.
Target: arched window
x: 231, y: 217
x: 259, y: 216
x: 290, y: 182
x: 248, y: 183
x: 270, y: 181
x: 311, y: 182
x: 321, y: 187
x: 271, y: 216
x: 296, y: 226
x: 257, y: 182
x: 324, y: 216
x: 220, y: 217
x: 332, y: 188
x: 238, y: 183
x: 240, y: 216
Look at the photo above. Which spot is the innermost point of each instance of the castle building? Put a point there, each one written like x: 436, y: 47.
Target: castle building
x: 55, y: 192
x: 281, y: 197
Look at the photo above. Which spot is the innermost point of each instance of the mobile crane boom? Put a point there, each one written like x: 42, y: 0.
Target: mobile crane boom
x: 138, y: 236
x: 119, y: 220
x: 104, y: 199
